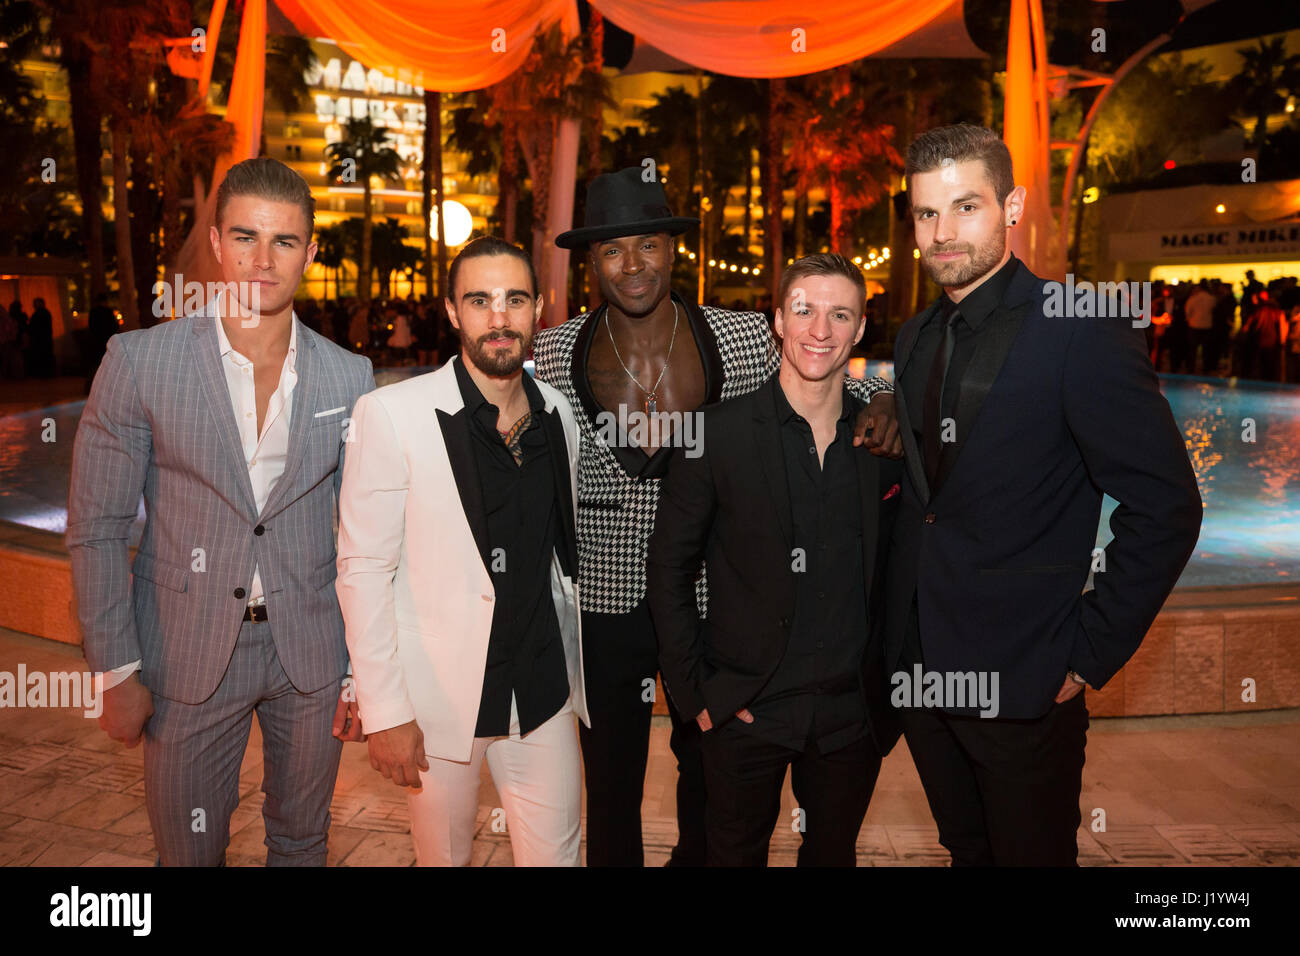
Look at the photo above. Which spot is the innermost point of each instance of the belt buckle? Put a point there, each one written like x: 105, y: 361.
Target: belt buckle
x: 255, y: 613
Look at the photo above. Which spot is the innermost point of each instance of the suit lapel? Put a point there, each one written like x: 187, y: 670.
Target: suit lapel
x: 991, y: 347
x: 455, y: 434
x: 771, y: 453
x: 207, y: 357
x: 559, y: 450
x: 300, y: 418
x: 911, y: 452
x: 907, y: 337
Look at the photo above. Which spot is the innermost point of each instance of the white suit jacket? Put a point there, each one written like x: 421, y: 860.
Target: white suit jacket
x: 416, y: 595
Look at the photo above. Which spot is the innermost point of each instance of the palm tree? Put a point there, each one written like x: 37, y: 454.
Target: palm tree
x: 162, y: 135
x: 331, y: 250
x: 552, y: 84
x: 68, y: 29
x: 704, y: 167
x: 363, y: 152
x: 391, y: 252
x: 1260, y: 88
x: 841, y: 147
x: 126, y: 43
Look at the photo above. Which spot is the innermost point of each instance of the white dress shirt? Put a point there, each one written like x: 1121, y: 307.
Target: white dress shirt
x: 264, y: 455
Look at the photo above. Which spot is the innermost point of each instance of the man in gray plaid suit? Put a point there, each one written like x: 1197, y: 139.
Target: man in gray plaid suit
x: 233, y: 425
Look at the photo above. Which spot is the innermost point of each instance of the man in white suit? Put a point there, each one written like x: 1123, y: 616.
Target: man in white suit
x: 456, y: 576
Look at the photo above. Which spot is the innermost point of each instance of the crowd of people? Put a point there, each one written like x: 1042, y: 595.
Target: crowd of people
x: 1195, y: 328
x: 26, y: 341
x: 390, y: 332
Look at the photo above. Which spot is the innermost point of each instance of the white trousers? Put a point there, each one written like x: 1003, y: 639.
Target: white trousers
x: 539, y: 778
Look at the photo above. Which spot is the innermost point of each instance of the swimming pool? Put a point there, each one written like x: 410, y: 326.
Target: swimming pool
x: 1251, y: 489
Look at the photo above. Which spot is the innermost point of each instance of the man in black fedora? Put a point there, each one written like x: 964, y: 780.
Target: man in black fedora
x: 637, y: 369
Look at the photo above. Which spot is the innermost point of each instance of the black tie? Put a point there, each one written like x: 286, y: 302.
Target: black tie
x: 934, y: 398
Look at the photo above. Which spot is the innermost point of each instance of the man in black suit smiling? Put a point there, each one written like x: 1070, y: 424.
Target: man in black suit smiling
x: 791, y: 521
x: 1014, y: 422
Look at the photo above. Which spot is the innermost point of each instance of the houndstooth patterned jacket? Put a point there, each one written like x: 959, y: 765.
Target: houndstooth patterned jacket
x: 618, y: 488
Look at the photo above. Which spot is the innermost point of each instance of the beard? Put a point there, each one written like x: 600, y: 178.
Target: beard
x: 981, y: 259
x: 491, y: 360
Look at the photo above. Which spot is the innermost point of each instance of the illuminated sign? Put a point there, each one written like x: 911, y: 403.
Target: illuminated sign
x: 1254, y: 239
x: 343, y: 89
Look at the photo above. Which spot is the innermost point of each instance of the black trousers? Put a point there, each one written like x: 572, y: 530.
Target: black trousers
x: 745, y: 774
x: 1003, y: 792
x: 619, y: 655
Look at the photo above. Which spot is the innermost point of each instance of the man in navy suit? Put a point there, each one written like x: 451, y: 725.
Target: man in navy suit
x: 1015, y: 419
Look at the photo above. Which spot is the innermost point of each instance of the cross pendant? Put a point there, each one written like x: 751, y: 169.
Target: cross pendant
x: 651, y: 404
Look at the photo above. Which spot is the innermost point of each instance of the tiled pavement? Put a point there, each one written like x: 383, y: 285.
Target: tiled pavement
x: 1213, y: 790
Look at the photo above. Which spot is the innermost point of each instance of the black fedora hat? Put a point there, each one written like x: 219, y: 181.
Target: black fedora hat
x: 623, y: 204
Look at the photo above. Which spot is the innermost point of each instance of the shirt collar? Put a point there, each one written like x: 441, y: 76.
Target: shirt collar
x: 223, y: 341
x: 785, y: 411
x: 473, y: 398
x: 979, y: 304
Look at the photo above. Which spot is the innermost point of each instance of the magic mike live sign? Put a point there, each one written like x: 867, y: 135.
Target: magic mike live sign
x: 1254, y: 239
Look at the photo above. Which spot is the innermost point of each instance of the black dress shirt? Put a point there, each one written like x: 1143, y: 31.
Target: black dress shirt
x: 525, y: 656
x: 815, y: 696
x: 974, y: 309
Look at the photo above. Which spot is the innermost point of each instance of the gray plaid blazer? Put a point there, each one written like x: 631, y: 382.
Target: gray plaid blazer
x: 159, y: 422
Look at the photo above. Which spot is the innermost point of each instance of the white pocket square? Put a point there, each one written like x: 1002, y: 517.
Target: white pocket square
x: 331, y: 411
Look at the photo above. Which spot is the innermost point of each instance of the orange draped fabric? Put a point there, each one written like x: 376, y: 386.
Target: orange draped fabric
x: 435, y: 44
x: 458, y: 45
x: 1026, y: 129
x: 449, y: 45
x: 762, y: 38
x: 195, y: 261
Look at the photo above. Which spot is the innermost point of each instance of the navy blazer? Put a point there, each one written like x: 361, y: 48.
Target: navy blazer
x: 1051, y: 413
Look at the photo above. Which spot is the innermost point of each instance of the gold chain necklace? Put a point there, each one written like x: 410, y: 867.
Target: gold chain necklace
x: 651, y: 396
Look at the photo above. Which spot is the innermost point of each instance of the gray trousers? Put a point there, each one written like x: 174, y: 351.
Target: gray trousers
x: 192, y: 754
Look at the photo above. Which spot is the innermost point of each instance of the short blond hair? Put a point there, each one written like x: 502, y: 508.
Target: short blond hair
x: 821, y: 264
x: 267, y: 178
